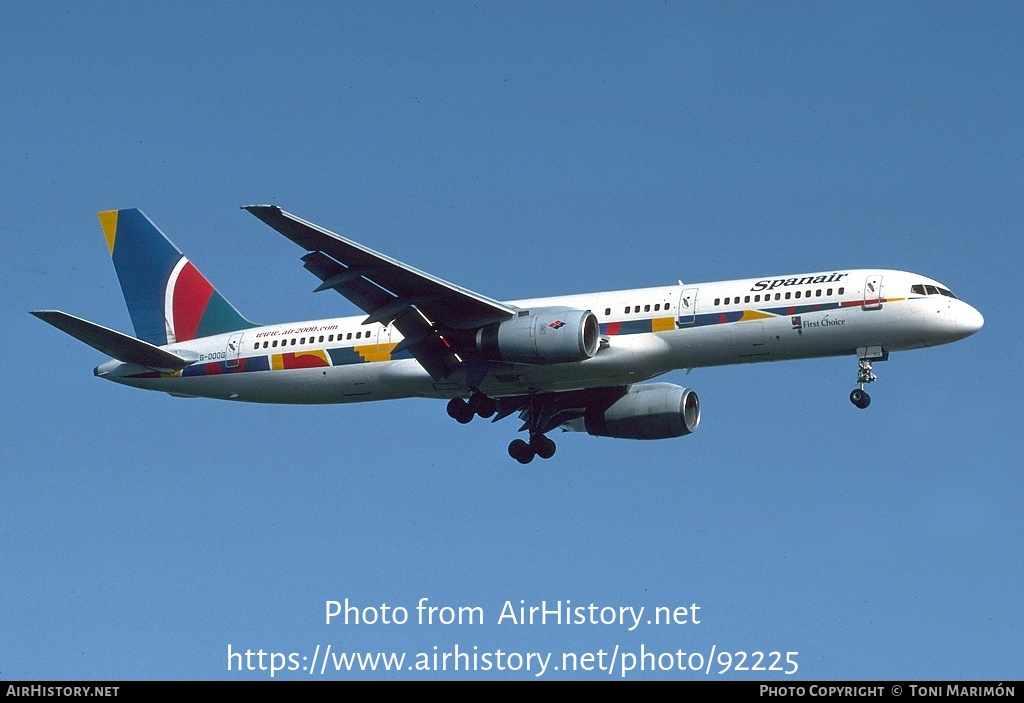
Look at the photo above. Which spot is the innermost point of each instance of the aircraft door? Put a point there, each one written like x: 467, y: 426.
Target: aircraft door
x: 873, y: 293
x: 687, y: 307
x: 234, y: 349
x: 384, y: 339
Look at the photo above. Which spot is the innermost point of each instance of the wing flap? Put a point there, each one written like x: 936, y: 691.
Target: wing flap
x: 424, y: 340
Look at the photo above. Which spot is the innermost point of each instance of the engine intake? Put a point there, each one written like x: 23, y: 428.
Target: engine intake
x: 648, y: 411
x: 547, y: 336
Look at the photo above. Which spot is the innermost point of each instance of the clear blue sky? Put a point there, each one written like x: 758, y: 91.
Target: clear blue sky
x: 517, y: 149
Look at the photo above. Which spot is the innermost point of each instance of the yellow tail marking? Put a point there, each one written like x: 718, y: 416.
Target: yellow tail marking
x: 108, y: 221
x: 754, y: 315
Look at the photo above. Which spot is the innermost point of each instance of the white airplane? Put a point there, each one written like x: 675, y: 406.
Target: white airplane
x: 572, y: 362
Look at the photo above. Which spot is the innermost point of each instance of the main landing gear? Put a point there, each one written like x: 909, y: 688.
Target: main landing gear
x: 539, y: 445
x: 865, y: 355
x: 464, y: 411
x: 478, y: 404
x: 539, y: 418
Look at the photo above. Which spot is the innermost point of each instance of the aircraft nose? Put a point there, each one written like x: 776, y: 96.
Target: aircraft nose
x: 968, y: 321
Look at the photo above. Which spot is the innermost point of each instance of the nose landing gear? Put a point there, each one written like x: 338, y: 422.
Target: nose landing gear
x: 865, y: 355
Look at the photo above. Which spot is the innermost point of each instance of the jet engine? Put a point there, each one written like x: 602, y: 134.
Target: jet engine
x: 544, y: 336
x: 646, y: 411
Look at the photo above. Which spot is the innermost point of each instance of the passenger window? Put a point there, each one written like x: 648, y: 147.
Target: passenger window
x: 757, y: 298
x: 787, y: 295
x: 607, y: 312
x: 636, y: 308
x: 841, y: 291
x: 293, y: 341
x: 718, y: 301
x: 817, y: 293
x: 321, y: 338
x: 797, y: 294
x: 302, y: 341
x: 626, y: 311
x: 647, y: 308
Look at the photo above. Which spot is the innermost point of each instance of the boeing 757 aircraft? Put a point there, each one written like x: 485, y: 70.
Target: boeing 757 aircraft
x: 574, y: 362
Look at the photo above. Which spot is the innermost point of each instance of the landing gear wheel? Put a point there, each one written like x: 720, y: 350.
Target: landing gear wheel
x: 459, y: 410
x: 482, y: 405
x: 520, y: 451
x: 860, y: 398
x: 542, y: 446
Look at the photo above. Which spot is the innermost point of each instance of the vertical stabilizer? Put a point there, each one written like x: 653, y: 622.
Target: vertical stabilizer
x: 168, y: 299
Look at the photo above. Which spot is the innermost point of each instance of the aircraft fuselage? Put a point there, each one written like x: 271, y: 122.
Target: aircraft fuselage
x: 644, y: 333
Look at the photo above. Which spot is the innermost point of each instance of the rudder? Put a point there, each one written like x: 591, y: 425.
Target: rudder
x: 168, y: 299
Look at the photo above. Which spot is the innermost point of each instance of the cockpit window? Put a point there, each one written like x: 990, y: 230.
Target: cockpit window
x: 922, y: 289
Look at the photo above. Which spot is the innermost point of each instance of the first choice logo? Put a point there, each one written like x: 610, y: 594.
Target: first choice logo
x: 824, y: 322
x: 556, y: 325
x: 773, y: 283
x: 799, y: 324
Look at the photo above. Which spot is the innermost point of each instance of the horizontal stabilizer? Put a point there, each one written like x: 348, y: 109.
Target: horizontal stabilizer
x: 112, y: 343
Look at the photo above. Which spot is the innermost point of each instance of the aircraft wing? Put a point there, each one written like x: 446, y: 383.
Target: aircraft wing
x: 422, y: 307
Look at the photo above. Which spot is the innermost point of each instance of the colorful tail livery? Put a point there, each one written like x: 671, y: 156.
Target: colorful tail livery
x: 573, y: 362
x: 168, y: 299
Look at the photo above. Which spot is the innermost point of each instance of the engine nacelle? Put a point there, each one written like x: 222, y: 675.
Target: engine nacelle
x: 547, y: 336
x: 647, y: 411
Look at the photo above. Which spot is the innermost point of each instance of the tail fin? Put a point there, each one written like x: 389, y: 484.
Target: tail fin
x: 168, y: 299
